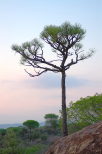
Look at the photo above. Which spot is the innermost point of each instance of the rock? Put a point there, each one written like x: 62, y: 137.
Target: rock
x: 86, y: 141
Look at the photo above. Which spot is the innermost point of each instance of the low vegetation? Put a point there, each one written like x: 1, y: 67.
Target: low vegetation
x: 84, y: 112
x: 31, y: 138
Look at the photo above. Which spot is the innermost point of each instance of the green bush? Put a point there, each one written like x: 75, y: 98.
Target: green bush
x: 35, y: 149
x: 2, y: 131
x: 35, y: 134
x: 44, y: 137
x: 84, y: 112
x: 10, y: 150
x: 23, y: 150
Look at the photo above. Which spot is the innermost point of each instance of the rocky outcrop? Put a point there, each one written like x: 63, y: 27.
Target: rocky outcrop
x: 86, y: 141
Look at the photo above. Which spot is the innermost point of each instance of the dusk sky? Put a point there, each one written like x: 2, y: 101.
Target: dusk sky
x: 24, y: 98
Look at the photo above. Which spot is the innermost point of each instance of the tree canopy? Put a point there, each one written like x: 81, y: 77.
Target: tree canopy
x: 52, y: 121
x: 51, y: 116
x: 31, y: 124
x: 85, y: 111
x: 65, y: 42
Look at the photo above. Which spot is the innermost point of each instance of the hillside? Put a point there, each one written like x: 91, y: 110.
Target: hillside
x: 10, y: 125
x: 86, y: 141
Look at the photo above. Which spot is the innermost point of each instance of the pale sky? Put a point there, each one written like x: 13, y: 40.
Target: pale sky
x: 23, y: 98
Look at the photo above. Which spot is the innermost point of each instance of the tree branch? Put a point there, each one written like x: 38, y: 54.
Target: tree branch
x: 82, y: 57
x: 38, y: 74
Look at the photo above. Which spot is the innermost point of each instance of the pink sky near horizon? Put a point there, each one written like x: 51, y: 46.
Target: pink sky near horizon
x: 22, y: 102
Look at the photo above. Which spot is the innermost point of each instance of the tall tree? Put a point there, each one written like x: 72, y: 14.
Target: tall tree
x: 31, y: 124
x: 65, y: 42
x: 51, y: 120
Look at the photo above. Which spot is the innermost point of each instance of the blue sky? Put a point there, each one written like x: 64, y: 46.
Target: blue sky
x: 25, y: 98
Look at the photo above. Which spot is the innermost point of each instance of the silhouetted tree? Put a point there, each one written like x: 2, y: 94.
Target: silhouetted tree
x: 65, y: 42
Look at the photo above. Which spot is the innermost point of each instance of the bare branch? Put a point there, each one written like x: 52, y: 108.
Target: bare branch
x: 38, y: 74
x: 79, y: 58
x: 35, y: 65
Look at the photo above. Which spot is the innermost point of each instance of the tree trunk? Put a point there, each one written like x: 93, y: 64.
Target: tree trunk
x: 64, y: 113
x: 30, y: 135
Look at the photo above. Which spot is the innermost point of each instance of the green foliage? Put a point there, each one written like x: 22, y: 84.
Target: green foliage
x: 28, y: 49
x: 51, y: 120
x: 84, y: 112
x: 51, y: 115
x: 62, y: 33
x: 35, y: 134
x: 52, y: 32
x: 17, y: 130
x: 31, y: 124
x: 10, y: 150
x: 24, y: 150
x: 60, y: 38
x: 10, y: 139
x: 44, y: 137
x: 51, y: 123
x: 2, y: 132
x: 34, y: 149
